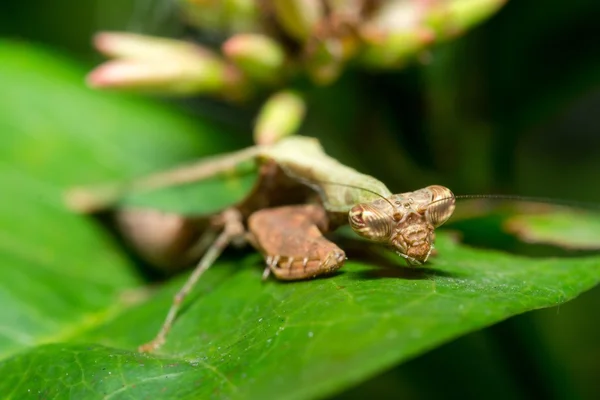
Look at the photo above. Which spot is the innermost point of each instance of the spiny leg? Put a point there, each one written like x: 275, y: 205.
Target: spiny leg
x: 232, y: 228
x: 291, y: 240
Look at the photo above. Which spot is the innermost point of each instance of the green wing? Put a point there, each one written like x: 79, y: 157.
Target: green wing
x: 215, y: 183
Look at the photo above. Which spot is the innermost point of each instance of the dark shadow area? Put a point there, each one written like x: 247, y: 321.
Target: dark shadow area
x: 389, y: 265
x: 149, y: 272
x: 402, y: 272
x: 325, y: 276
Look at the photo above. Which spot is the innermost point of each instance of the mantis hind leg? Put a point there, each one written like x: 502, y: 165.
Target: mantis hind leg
x: 291, y: 240
x: 231, y: 232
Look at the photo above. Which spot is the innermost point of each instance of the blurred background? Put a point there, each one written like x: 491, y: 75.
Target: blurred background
x: 510, y: 107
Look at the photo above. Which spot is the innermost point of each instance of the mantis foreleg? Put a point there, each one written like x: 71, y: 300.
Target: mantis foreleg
x: 292, y: 242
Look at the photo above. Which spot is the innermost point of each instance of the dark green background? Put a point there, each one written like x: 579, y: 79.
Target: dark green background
x: 511, y: 107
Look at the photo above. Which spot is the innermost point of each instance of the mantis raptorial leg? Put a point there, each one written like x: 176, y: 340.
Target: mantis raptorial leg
x: 232, y: 230
x: 292, y: 242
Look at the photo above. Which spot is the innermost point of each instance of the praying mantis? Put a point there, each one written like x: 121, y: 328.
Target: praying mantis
x: 301, y: 193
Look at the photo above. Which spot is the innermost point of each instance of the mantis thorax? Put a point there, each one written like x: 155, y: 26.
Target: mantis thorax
x: 405, y: 221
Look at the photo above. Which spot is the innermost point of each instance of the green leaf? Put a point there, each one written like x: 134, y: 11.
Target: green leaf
x: 56, y: 133
x: 571, y: 229
x: 68, y: 326
x: 200, y: 198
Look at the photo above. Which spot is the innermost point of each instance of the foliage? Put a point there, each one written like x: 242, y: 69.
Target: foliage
x: 74, y: 307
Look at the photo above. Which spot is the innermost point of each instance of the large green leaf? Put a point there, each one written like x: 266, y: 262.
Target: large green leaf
x: 562, y: 227
x: 56, y: 133
x: 68, y: 327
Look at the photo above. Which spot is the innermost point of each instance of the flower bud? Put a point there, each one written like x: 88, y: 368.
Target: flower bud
x: 401, y: 29
x: 280, y: 116
x: 451, y: 18
x: 299, y: 17
x: 132, y: 45
x: 393, y: 49
x: 326, y: 61
x: 260, y: 57
x: 164, y: 66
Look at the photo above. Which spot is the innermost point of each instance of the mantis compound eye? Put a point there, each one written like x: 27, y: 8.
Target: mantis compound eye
x: 441, y: 207
x: 370, y: 222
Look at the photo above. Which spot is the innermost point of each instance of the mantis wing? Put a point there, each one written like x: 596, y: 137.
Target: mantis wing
x: 213, y: 184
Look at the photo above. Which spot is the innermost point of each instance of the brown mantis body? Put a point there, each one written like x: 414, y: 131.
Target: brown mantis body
x: 301, y: 193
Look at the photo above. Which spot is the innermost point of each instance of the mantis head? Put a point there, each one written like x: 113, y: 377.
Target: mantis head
x: 405, y: 221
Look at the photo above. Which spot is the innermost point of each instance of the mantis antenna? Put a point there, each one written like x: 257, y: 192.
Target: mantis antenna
x: 533, y: 199
x: 312, y: 182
